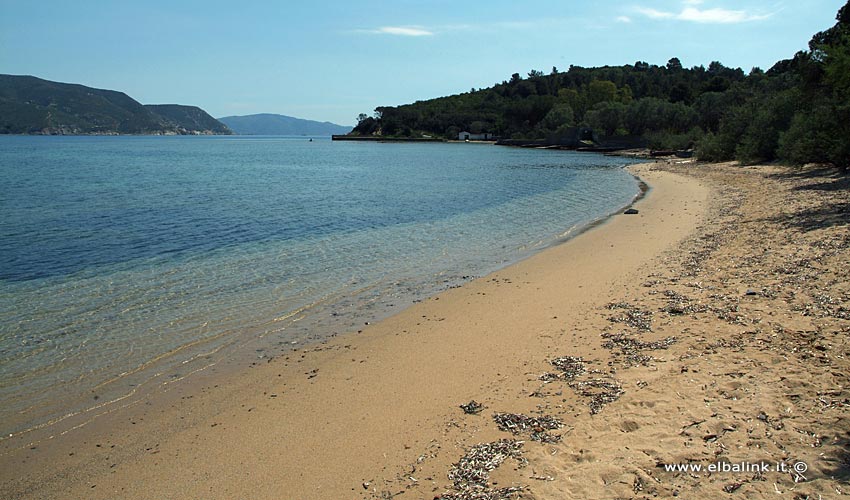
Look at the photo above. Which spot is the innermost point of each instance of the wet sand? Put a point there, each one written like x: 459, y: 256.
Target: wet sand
x: 712, y: 325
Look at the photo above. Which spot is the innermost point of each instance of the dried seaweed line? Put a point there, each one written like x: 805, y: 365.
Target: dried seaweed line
x: 470, y: 475
x: 517, y: 422
x: 537, y: 427
x: 600, y: 391
x: 631, y: 316
x: 570, y: 366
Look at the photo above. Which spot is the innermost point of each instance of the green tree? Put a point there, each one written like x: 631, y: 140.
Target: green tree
x: 681, y: 92
x: 480, y: 127
x: 837, y: 66
x: 713, y: 147
x: 710, y: 107
x: 600, y: 91
x: 769, y: 116
x: 624, y: 94
x: 809, y: 136
x: 653, y: 115
x: 674, y: 64
x: 576, y: 101
x: 560, y: 115
x: 607, y: 117
x: 366, y: 126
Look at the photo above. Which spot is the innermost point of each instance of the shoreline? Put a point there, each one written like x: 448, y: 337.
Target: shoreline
x: 172, y: 396
x: 657, y: 305
x: 240, y: 356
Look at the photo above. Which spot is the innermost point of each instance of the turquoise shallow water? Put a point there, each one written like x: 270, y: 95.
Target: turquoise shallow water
x: 136, y: 260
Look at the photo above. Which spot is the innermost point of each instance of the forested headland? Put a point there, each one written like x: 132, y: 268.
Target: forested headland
x: 797, y: 111
x: 30, y: 105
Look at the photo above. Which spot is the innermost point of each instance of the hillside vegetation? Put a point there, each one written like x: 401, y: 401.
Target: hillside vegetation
x: 189, y: 118
x: 797, y: 111
x: 30, y: 105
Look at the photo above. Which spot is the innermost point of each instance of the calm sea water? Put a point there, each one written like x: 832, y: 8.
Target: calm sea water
x: 132, y: 261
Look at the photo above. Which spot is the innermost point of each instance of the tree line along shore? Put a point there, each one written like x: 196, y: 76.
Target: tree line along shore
x: 797, y: 111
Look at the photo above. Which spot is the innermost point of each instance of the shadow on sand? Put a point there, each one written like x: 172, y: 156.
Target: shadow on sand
x: 833, y: 208
x: 839, y: 465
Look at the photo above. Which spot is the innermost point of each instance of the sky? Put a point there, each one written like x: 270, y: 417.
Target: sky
x: 331, y: 60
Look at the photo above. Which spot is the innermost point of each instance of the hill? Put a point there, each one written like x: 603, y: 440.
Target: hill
x: 189, y: 118
x: 798, y: 111
x: 638, y: 101
x: 271, y: 124
x: 30, y: 105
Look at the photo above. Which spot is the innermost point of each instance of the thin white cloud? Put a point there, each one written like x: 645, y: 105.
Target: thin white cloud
x: 445, y: 29
x: 707, y: 16
x: 655, y: 14
x: 624, y: 19
x: 399, y: 31
x: 722, y: 16
x: 491, y: 27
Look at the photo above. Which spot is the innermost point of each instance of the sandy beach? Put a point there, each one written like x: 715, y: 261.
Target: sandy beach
x: 710, y: 327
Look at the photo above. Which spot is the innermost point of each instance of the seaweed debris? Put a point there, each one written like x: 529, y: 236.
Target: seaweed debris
x: 472, y: 408
x: 600, y: 391
x: 471, y: 474
x: 626, y: 343
x: 484, y: 494
x: 570, y: 366
x: 631, y: 315
x: 517, y: 423
x: 549, y: 377
x: 679, y: 304
x: 823, y: 306
x: 632, y: 349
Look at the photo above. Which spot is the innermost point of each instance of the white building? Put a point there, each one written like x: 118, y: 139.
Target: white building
x: 468, y: 136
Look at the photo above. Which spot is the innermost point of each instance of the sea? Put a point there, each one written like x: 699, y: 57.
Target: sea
x: 130, y: 262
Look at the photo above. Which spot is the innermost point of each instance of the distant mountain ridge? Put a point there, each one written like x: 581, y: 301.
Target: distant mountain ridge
x: 30, y: 105
x: 272, y: 124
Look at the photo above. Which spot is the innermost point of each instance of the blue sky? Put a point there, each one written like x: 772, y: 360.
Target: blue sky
x: 330, y: 60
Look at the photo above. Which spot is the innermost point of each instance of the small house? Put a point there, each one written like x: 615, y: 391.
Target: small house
x: 468, y: 136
